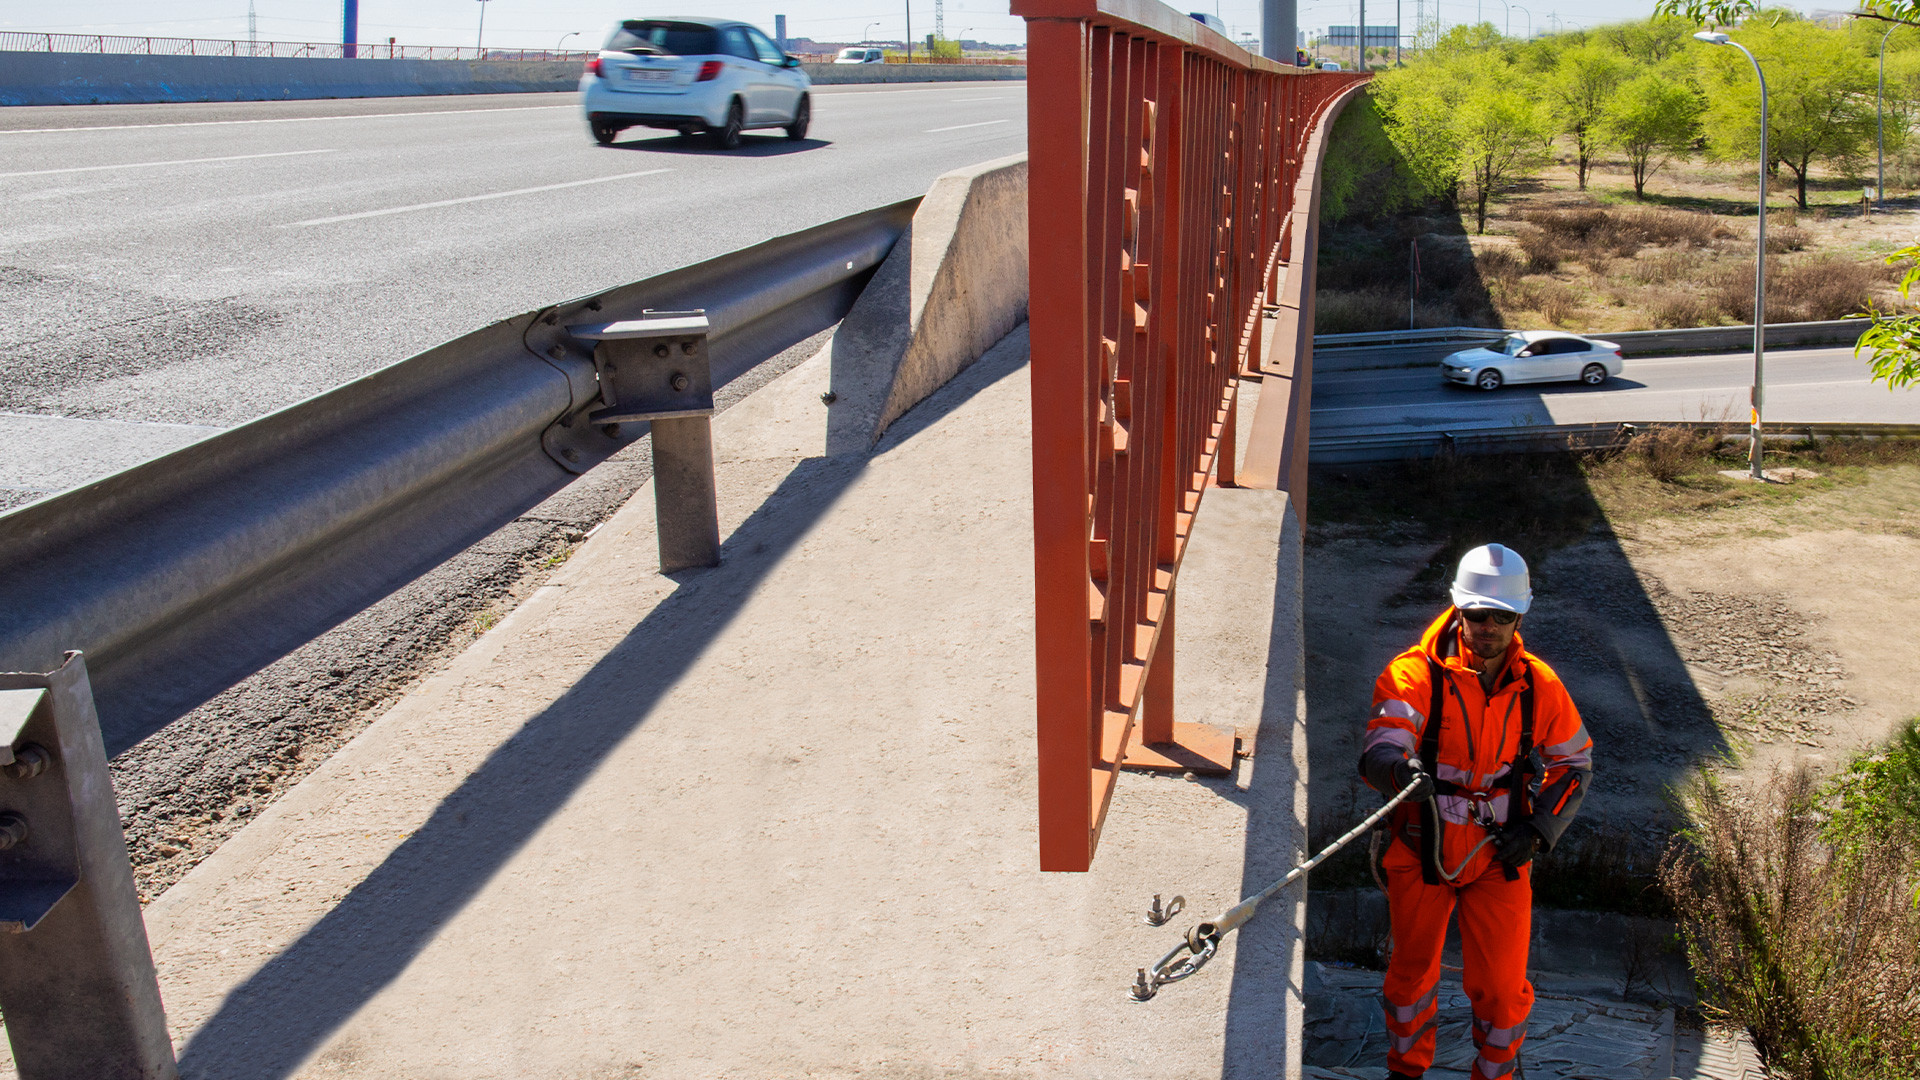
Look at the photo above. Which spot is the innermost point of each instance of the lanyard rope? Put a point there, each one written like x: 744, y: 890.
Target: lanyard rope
x: 1203, y: 940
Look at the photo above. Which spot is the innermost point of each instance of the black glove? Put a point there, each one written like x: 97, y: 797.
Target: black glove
x: 1516, y: 845
x: 1407, y: 773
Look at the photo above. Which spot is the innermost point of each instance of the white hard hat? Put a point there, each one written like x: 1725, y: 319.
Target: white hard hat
x: 1493, y: 576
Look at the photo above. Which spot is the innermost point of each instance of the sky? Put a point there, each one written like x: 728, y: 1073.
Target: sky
x: 544, y: 23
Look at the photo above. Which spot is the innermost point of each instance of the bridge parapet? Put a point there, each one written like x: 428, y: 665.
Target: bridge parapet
x: 1164, y: 165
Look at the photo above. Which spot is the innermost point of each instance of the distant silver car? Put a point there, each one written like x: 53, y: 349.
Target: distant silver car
x: 858, y: 55
x: 1528, y: 356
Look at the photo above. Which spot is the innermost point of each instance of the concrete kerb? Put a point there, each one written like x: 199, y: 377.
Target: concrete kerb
x: 953, y: 285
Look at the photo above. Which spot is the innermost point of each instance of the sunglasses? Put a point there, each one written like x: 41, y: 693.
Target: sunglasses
x: 1500, y: 618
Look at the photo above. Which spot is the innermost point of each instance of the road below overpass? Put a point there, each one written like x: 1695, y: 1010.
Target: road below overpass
x: 1806, y: 385
x: 171, y: 270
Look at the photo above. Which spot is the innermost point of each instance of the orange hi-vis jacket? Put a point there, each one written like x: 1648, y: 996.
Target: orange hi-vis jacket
x: 1478, y: 743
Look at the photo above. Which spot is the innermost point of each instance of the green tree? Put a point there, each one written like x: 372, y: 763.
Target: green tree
x: 1577, y: 91
x: 1418, y: 103
x: 1892, y: 343
x: 1501, y: 136
x: 1651, y: 118
x: 1820, y: 96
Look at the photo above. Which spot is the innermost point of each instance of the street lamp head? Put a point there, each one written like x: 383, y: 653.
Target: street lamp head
x: 1712, y: 37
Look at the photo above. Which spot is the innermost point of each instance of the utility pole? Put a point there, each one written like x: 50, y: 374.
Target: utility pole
x: 1362, y: 65
x: 253, y: 32
x: 909, y: 30
x: 1279, y: 29
x: 939, y: 20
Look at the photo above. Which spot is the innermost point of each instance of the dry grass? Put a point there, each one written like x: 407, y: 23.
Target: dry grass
x: 1810, y: 945
x: 1359, y: 311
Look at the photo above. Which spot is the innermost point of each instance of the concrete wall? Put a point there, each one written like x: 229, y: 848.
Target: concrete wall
x: 837, y: 74
x: 28, y: 78
x: 953, y: 285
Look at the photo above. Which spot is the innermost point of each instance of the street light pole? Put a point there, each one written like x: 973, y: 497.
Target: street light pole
x: 867, y: 34
x: 482, y: 33
x: 563, y: 40
x: 1529, y: 22
x: 1880, y: 121
x: 1759, y: 265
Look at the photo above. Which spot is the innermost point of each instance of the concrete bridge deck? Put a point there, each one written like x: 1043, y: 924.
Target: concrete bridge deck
x: 774, y: 819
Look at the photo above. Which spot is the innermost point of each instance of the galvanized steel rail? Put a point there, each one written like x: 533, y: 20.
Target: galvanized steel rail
x: 181, y: 576
x: 1162, y: 165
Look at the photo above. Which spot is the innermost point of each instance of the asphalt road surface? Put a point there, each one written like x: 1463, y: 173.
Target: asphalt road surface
x: 1807, y: 385
x: 167, y: 271
x: 171, y: 270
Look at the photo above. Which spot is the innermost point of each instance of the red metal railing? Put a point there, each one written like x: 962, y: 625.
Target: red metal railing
x: 15, y: 41
x: 1162, y: 167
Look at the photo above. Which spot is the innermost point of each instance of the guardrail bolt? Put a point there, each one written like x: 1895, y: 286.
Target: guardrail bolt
x: 612, y: 431
x: 680, y: 381
x: 29, y: 761
x: 570, y: 454
x: 689, y: 347
x: 556, y: 351
x: 13, y: 831
x: 661, y: 350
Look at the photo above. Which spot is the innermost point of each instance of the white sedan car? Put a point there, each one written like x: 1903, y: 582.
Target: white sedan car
x: 691, y: 75
x: 1528, y: 356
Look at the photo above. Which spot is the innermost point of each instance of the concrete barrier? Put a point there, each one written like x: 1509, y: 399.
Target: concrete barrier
x: 842, y: 74
x: 28, y: 78
x: 955, y: 284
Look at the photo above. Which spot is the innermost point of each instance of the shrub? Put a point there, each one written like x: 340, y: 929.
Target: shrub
x: 1674, y: 309
x: 1671, y: 227
x: 1500, y: 264
x: 1807, y: 940
x: 1358, y: 311
x: 1665, y: 267
x: 1786, y: 238
x: 1811, y: 290
x: 1555, y: 302
x: 1542, y: 249
x: 1668, y: 451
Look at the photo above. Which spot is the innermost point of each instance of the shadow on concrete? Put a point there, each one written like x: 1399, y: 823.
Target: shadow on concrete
x: 288, y: 1009
x: 751, y: 145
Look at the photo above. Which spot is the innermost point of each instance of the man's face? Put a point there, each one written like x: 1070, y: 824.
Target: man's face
x: 1487, y: 638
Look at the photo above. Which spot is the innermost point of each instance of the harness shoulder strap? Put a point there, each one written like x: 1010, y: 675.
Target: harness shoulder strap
x: 1430, y: 757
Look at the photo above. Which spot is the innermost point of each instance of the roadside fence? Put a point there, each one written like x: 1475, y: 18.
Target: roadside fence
x: 1163, y: 161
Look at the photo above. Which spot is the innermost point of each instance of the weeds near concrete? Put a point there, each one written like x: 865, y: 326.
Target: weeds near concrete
x: 1801, y: 915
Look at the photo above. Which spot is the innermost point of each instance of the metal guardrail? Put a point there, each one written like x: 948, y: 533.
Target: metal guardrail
x: 185, y: 574
x: 1162, y: 165
x: 1631, y: 342
x: 1560, y: 438
x: 18, y: 41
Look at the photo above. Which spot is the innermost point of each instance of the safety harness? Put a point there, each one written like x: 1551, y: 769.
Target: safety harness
x: 1521, y: 774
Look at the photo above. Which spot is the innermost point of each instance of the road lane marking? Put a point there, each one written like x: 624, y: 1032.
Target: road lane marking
x: 1001, y: 97
x: 279, y: 120
x: 158, y: 164
x: 1637, y: 391
x: 959, y: 127
x: 469, y: 199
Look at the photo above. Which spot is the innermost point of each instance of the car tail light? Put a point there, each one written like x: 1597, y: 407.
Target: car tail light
x: 1619, y: 354
x: 709, y: 70
x: 593, y: 68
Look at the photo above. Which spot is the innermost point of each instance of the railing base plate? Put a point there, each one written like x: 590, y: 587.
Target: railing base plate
x: 1202, y: 749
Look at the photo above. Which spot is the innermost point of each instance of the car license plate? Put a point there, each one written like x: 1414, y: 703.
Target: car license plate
x: 648, y: 75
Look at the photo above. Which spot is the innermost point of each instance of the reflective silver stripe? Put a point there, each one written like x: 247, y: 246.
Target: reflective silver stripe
x: 1407, y: 1014
x: 1500, y: 1038
x: 1580, y: 741
x: 1493, y: 1070
x: 1399, y: 710
x: 1403, y: 1044
x: 1391, y: 736
x: 1453, y: 775
x: 1581, y: 760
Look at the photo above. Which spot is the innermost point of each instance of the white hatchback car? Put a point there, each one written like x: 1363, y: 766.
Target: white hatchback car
x: 855, y: 54
x: 691, y: 74
x: 1535, y: 356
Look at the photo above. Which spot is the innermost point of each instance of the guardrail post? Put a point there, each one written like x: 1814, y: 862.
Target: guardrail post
x: 655, y: 368
x: 77, y: 984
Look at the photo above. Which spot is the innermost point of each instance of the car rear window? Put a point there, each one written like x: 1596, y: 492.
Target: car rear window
x: 662, y: 36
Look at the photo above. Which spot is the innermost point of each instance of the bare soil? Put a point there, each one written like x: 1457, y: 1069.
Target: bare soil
x: 1734, y: 635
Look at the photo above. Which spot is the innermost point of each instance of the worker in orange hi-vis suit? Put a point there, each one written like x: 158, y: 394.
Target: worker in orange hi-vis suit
x: 1487, y: 735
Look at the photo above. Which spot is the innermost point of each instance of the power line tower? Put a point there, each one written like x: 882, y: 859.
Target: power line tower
x: 939, y: 20
x: 253, y: 30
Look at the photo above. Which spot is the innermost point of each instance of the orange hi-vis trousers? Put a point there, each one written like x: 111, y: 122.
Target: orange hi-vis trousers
x: 1496, y: 917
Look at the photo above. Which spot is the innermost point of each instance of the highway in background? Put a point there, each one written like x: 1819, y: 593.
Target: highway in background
x: 1827, y: 385
x: 167, y: 271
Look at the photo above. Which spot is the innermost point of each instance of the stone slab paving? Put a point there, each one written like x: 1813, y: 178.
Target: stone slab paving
x: 1572, y: 1036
